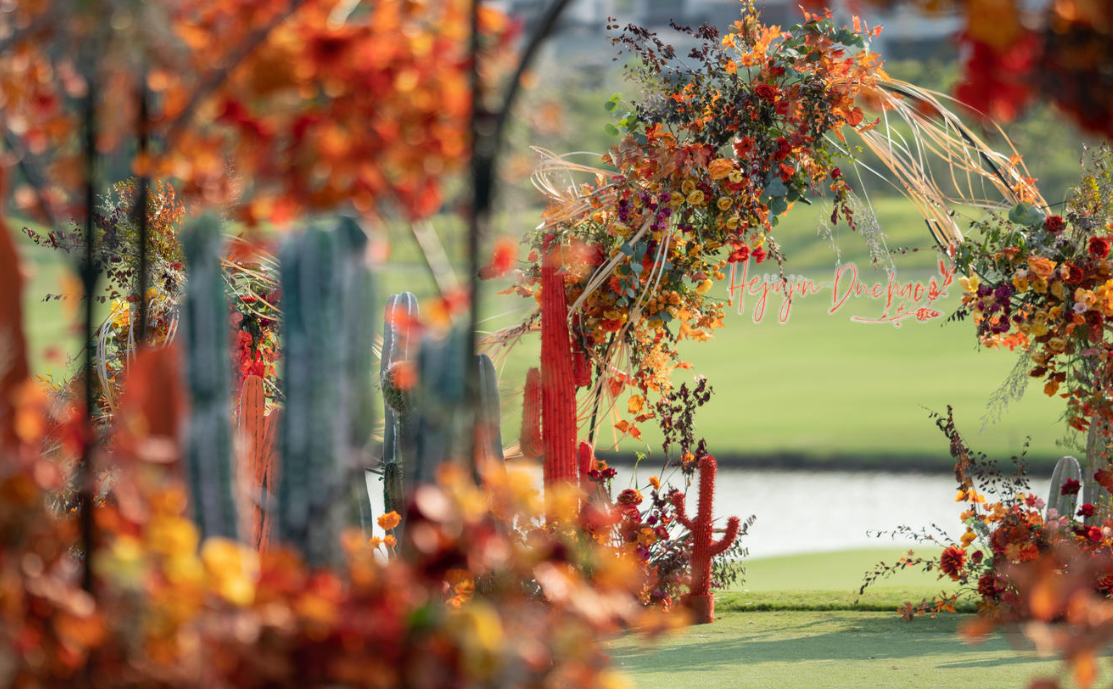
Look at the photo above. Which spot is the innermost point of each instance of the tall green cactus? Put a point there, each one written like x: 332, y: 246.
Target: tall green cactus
x: 440, y: 420
x: 1066, y: 469
x: 314, y: 430
x: 356, y: 361
x: 208, y: 371
x: 396, y: 361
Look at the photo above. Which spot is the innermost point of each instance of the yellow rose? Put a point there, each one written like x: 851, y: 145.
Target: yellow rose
x: 1020, y: 281
x: 1039, y: 286
x: 1057, y: 344
x: 720, y: 168
x: 732, y: 222
x: 688, y: 187
x: 735, y: 176
x: 704, y: 286
x: 1057, y: 290
x: 696, y: 198
x: 724, y: 202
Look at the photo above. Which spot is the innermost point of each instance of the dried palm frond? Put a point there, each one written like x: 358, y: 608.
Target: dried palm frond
x: 977, y: 175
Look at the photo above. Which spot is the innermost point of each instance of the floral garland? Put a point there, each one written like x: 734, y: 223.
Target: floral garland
x: 1044, y: 282
x: 710, y: 159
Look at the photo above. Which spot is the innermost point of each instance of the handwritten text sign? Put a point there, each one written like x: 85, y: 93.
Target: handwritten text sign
x: 897, y: 300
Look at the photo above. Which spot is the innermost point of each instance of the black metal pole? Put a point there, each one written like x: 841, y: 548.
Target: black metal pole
x: 487, y: 130
x: 89, y: 273
x: 143, y: 126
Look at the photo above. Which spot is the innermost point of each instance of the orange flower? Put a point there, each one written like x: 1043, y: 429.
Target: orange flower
x: 720, y: 168
x: 389, y: 520
x: 655, y: 482
x: 1041, y: 267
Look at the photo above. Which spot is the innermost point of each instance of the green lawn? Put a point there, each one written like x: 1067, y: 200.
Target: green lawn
x: 819, y: 387
x: 831, y: 581
x: 836, y: 650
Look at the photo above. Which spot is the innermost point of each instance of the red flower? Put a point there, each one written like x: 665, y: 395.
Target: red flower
x: 766, y: 92
x: 1105, y: 479
x: 1094, y: 534
x: 1074, y: 275
x: 1054, y: 224
x: 783, y: 149
x: 743, y: 146
x: 1086, y: 510
x: 1099, y: 247
x: 1070, y: 487
x: 835, y: 173
x: 952, y: 561
x: 759, y: 254
x: 629, y: 497
x: 988, y: 586
x: 739, y: 255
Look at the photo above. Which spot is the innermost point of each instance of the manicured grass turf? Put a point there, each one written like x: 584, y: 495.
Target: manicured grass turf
x: 819, y: 386
x: 836, y: 650
x: 831, y: 581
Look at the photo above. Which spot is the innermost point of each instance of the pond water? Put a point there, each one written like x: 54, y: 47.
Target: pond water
x: 817, y: 511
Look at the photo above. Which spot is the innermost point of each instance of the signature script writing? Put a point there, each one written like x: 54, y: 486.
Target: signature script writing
x: 899, y: 301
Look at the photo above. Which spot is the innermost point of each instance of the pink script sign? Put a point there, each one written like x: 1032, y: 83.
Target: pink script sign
x: 898, y: 300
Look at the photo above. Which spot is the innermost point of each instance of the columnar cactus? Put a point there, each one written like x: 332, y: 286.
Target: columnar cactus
x: 397, y: 375
x: 488, y: 427
x: 208, y: 438
x: 315, y: 429
x: 441, y: 421
x: 558, y: 382
x: 699, y: 599
x: 529, y: 441
x: 356, y: 361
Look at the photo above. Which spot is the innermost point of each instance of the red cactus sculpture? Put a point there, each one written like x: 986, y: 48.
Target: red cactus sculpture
x: 558, y: 382
x: 530, y: 439
x: 259, y: 466
x: 699, y: 599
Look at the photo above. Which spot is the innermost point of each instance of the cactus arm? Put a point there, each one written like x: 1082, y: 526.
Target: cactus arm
x: 719, y: 547
x: 400, y: 313
x: 678, y: 502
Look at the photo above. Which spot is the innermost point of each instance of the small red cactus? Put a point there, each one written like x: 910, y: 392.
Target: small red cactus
x: 530, y: 440
x: 558, y: 385
x: 259, y: 467
x: 699, y: 599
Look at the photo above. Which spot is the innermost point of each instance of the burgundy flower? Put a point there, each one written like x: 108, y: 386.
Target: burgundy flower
x: 1074, y: 274
x: 1086, y: 510
x: 988, y: 586
x: 1099, y: 247
x: 766, y: 92
x: 1070, y: 487
x: 1054, y: 224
